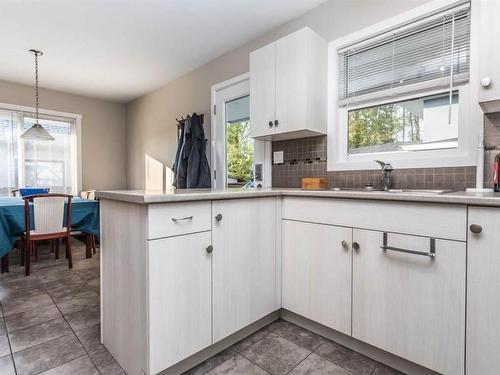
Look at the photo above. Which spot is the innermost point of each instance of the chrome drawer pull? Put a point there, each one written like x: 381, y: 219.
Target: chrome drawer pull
x: 176, y: 219
x: 431, y: 253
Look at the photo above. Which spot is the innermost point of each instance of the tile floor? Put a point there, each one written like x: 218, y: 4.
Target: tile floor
x: 284, y: 348
x: 49, y: 324
x: 49, y: 321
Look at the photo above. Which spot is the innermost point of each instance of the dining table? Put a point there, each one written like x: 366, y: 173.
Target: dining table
x: 84, y: 218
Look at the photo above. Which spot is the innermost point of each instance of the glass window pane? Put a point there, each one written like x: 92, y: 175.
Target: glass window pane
x: 8, y: 153
x: 412, y: 125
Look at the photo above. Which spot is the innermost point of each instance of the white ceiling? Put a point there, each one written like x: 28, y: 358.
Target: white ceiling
x: 121, y: 49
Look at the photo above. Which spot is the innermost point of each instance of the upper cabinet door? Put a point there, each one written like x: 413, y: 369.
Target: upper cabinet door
x: 262, y: 91
x: 244, y: 263
x: 483, y: 291
x: 411, y: 305
x: 489, y: 61
x: 296, y: 89
x: 317, y: 263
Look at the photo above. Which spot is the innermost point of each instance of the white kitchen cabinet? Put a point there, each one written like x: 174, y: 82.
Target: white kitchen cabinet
x: 288, y: 87
x: 483, y: 291
x: 411, y: 305
x: 180, y: 300
x: 489, y: 54
x: 317, y: 273
x: 244, y: 263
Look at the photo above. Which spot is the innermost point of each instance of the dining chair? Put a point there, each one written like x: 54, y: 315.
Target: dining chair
x: 48, y: 220
x: 90, y: 239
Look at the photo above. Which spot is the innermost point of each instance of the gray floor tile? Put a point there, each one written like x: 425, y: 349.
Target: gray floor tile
x: 7, y: 366
x: 76, y: 302
x: 277, y: 324
x: 88, y: 317
x: 90, y: 338
x: 48, y: 355
x: 212, y: 362
x: 3, y: 328
x: 237, y: 365
x: 23, y: 303
x: 347, y: 358
x: 79, y: 366
x: 315, y: 365
x: 300, y: 336
x: 105, y: 363
x: 70, y: 285
x: 4, y: 346
x: 10, y: 293
x: 275, y: 354
x: 252, y: 339
x: 32, y: 317
x: 38, y: 334
x: 384, y: 370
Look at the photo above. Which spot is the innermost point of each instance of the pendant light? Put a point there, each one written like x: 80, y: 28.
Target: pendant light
x: 37, y: 131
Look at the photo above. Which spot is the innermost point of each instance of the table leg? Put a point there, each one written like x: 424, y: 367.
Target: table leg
x: 88, y: 245
x: 5, y: 263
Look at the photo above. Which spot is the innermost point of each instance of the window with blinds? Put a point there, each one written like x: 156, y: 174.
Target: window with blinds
x: 426, y: 54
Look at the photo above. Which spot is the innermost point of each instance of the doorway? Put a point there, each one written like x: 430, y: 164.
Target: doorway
x: 234, y: 154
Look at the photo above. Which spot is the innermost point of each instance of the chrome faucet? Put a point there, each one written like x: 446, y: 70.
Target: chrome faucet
x: 386, y: 174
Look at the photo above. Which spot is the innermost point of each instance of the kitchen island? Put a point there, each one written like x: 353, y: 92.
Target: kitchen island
x: 187, y: 273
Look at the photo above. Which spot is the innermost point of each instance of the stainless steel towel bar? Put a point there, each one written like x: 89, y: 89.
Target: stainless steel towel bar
x: 431, y: 253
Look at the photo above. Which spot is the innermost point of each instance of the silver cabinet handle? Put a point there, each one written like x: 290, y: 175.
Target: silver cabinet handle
x: 218, y: 217
x: 475, y: 228
x: 344, y: 244
x: 355, y: 246
x: 176, y: 219
x: 270, y: 124
x: 431, y: 253
x: 276, y: 122
x: 209, y: 249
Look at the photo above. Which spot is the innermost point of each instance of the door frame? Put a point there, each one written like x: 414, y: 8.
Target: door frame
x: 262, y: 149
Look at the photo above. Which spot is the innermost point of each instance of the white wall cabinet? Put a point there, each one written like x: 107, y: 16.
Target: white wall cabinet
x: 489, y: 54
x: 411, y: 305
x: 288, y: 87
x: 483, y: 291
x: 317, y: 273
x: 244, y: 263
x: 180, y: 307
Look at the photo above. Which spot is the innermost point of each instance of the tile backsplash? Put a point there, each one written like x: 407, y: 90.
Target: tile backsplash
x: 307, y: 158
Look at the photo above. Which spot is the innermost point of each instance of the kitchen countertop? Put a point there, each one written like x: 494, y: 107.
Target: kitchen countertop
x: 185, y: 195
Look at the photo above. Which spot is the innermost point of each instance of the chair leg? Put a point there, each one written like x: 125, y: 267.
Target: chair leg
x: 88, y: 246
x: 56, y: 251
x: 68, y: 252
x: 93, y: 244
x: 27, y: 267
x: 23, y: 252
x: 35, y: 251
x: 5, y: 263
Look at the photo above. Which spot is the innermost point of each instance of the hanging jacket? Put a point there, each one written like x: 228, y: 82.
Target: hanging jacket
x: 178, y: 155
x: 182, y: 165
x: 198, y: 169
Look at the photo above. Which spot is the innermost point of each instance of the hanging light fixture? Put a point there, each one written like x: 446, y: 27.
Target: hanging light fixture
x: 37, y: 131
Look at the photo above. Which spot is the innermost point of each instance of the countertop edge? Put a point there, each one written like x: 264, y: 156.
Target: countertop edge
x: 460, y: 198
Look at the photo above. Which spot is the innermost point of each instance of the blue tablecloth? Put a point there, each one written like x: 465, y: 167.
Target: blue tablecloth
x: 84, y: 217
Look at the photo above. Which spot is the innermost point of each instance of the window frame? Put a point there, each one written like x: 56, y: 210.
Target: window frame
x: 470, y: 115
x: 76, y: 149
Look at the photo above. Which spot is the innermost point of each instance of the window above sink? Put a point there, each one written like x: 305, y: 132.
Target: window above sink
x: 401, y: 91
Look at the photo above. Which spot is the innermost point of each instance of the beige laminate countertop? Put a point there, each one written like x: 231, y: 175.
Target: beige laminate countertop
x: 181, y: 195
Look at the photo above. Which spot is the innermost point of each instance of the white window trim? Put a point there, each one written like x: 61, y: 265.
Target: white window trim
x: 76, y: 151
x: 262, y: 149
x: 470, y: 114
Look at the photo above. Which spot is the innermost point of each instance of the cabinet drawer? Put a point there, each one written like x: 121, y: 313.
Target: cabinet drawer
x: 425, y: 219
x: 172, y: 219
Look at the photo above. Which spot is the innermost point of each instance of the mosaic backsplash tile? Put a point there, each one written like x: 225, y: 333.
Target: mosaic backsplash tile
x: 308, y: 158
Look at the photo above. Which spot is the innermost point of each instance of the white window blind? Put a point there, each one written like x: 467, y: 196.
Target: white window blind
x: 429, y: 53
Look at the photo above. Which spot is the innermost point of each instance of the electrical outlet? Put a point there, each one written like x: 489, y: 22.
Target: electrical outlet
x: 278, y: 157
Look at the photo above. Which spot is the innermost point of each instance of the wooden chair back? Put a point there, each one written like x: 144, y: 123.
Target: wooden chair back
x: 48, y: 215
x: 15, y: 193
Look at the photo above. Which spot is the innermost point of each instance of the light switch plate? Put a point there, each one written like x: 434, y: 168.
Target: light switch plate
x: 278, y: 157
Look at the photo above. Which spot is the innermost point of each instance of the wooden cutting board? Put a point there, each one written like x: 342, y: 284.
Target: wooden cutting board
x: 314, y: 183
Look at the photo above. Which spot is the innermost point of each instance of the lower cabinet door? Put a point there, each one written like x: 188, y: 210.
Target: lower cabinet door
x: 244, y: 263
x: 180, y: 317
x: 317, y: 263
x: 409, y: 304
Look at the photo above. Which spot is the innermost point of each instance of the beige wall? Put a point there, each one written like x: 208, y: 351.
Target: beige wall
x: 151, y: 122
x: 103, y: 131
